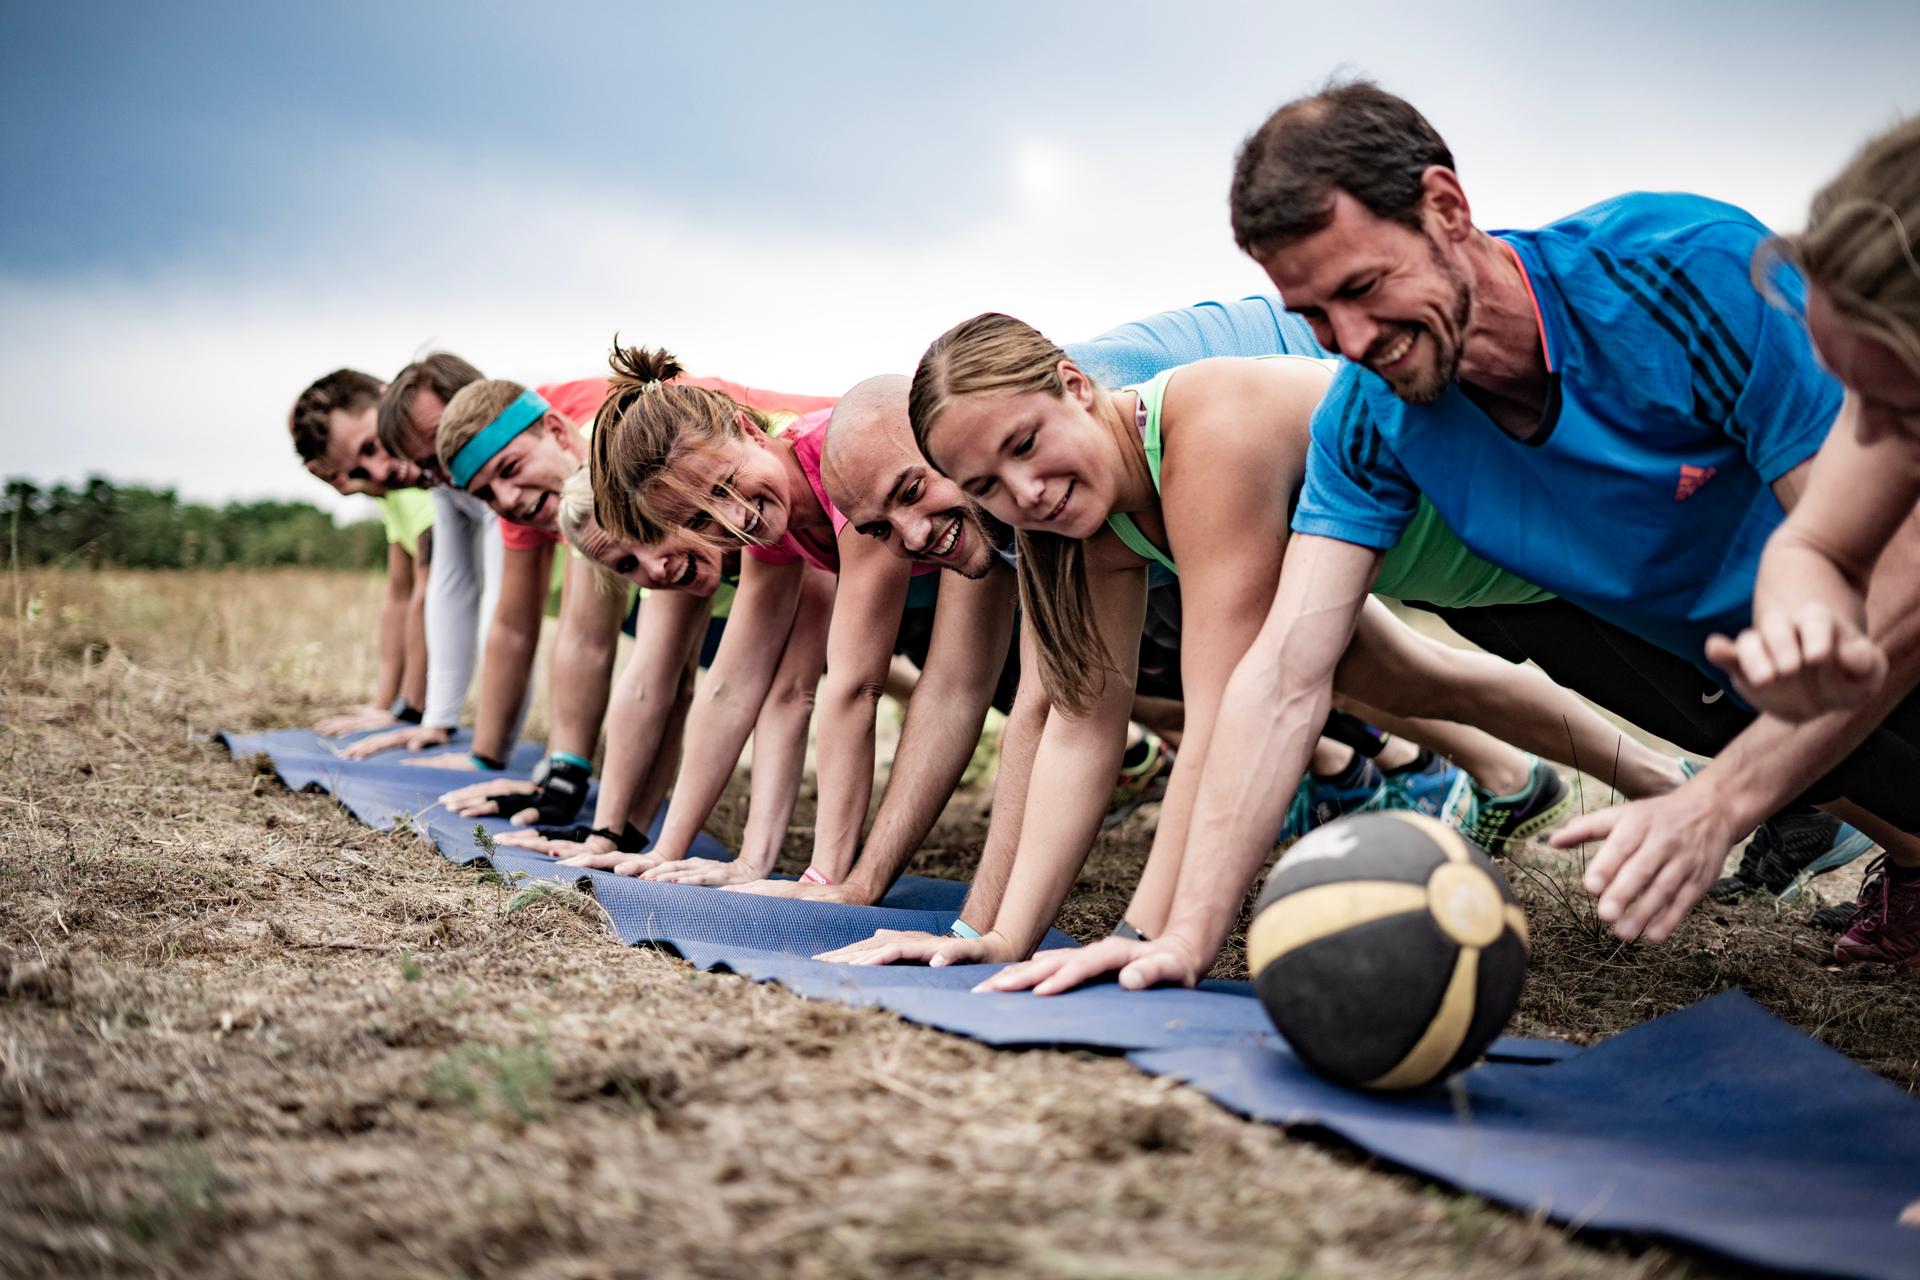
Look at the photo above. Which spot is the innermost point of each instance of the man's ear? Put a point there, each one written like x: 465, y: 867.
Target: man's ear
x: 1444, y: 210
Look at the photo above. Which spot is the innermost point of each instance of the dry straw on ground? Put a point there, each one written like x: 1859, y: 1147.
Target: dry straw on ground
x: 242, y: 1035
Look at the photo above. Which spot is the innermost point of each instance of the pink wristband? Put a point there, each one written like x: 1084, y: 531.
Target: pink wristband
x: 812, y: 876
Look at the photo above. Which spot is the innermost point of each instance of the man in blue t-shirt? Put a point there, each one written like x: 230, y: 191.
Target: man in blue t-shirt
x: 1605, y: 407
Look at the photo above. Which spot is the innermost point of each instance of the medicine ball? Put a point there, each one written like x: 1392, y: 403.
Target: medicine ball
x: 1387, y: 950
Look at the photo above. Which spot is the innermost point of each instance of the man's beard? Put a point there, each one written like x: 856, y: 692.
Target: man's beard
x: 1448, y: 349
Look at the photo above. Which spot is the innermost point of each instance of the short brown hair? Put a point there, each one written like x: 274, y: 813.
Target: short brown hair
x: 345, y: 389
x: 470, y: 409
x: 646, y: 426
x: 1352, y: 136
x: 443, y: 373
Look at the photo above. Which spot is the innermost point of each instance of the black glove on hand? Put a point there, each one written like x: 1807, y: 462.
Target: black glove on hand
x: 563, y: 785
x: 632, y: 840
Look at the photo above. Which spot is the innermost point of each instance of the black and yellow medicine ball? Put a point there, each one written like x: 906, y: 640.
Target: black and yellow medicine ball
x: 1387, y: 950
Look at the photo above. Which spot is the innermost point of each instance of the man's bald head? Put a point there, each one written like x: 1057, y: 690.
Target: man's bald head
x: 874, y: 473
x: 868, y: 432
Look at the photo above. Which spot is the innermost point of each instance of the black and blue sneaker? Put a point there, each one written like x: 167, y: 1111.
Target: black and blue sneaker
x: 1359, y: 788
x: 1423, y: 786
x: 1786, y: 851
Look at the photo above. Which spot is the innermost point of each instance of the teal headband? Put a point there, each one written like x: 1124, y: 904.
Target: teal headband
x: 492, y: 438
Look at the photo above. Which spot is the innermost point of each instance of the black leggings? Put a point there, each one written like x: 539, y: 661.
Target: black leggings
x: 1669, y: 696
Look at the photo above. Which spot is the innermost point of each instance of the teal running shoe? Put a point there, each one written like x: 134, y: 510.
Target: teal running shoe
x: 1319, y: 801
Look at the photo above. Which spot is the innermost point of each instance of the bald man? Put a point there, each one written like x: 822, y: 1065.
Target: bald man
x: 870, y: 465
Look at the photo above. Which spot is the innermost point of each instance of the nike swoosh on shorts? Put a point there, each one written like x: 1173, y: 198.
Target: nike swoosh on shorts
x: 1714, y: 697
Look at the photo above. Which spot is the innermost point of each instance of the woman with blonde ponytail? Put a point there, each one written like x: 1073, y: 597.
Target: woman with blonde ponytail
x: 673, y: 461
x: 1197, y: 467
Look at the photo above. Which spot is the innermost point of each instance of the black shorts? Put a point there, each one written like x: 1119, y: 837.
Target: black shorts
x: 1668, y: 696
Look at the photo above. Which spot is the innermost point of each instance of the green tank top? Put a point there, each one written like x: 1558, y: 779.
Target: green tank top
x: 1429, y: 564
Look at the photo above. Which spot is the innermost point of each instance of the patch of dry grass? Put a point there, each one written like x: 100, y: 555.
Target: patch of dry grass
x: 242, y: 1035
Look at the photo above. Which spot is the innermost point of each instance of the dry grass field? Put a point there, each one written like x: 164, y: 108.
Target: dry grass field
x: 243, y: 1036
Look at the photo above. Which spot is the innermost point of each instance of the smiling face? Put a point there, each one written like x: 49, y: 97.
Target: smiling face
x: 1382, y: 294
x: 920, y: 515
x: 742, y: 488
x: 1885, y: 388
x: 684, y: 564
x: 523, y: 481
x: 354, y: 462
x: 1036, y: 461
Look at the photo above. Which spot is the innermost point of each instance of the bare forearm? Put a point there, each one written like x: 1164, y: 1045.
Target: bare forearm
x: 1019, y: 744
x: 636, y: 731
x: 393, y: 649
x: 1153, y: 896
x: 503, y: 684
x: 779, y: 756
x: 579, y: 679
x: 845, y: 768
x: 717, y: 729
x: 1077, y: 759
x: 413, y: 682
x: 943, y: 726
x: 1263, y: 739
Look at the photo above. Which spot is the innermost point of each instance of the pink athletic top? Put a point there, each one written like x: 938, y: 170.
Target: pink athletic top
x: 808, y: 437
x: 579, y: 402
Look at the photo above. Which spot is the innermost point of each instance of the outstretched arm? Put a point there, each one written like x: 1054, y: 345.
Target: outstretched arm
x: 1270, y: 717
x: 779, y: 748
x: 728, y: 701
x: 1808, y: 650
x: 866, y: 618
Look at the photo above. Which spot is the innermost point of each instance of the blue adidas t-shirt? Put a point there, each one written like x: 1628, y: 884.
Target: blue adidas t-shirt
x: 1136, y: 351
x: 1677, y: 395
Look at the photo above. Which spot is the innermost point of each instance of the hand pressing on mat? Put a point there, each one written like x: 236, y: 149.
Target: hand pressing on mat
x: 484, y: 799
x: 552, y: 847
x: 1140, y: 964
x: 1656, y: 857
x: 707, y: 871
x: 446, y: 760
x: 412, y: 737
x: 621, y: 864
x: 355, y: 719
x: 846, y: 895
x: 910, y: 946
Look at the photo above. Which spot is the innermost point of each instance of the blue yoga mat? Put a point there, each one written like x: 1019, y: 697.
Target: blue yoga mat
x: 385, y: 789
x: 1718, y: 1125
x: 1100, y: 1016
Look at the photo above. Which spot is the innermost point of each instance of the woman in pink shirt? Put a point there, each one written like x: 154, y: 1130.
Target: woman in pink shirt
x: 671, y: 458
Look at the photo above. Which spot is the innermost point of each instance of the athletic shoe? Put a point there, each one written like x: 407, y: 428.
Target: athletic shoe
x: 1788, y: 850
x: 1887, y: 929
x: 1501, y: 824
x: 1835, y: 919
x: 1423, y: 790
x: 1318, y: 801
x: 1140, y: 783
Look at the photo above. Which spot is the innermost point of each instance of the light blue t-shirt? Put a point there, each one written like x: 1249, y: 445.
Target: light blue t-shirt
x: 1136, y: 351
x: 1677, y: 395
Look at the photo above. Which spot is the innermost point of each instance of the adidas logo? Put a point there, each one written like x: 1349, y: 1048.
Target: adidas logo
x: 1691, y: 478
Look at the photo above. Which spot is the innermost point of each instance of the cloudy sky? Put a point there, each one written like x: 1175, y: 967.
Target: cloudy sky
x: 206, y: 205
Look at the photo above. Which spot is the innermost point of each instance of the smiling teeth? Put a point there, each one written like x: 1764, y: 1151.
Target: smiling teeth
x: 1396, y: 351
x: 946, y: 544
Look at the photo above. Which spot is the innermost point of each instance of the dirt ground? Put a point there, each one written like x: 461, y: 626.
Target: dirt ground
x: 242, y: 1035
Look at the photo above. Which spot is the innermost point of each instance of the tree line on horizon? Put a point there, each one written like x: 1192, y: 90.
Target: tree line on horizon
x: 102, y: 524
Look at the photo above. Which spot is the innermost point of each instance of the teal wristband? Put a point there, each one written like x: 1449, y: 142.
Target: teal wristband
x: 961, y: 929
x: 487, y: 763
x: 567, y: 757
